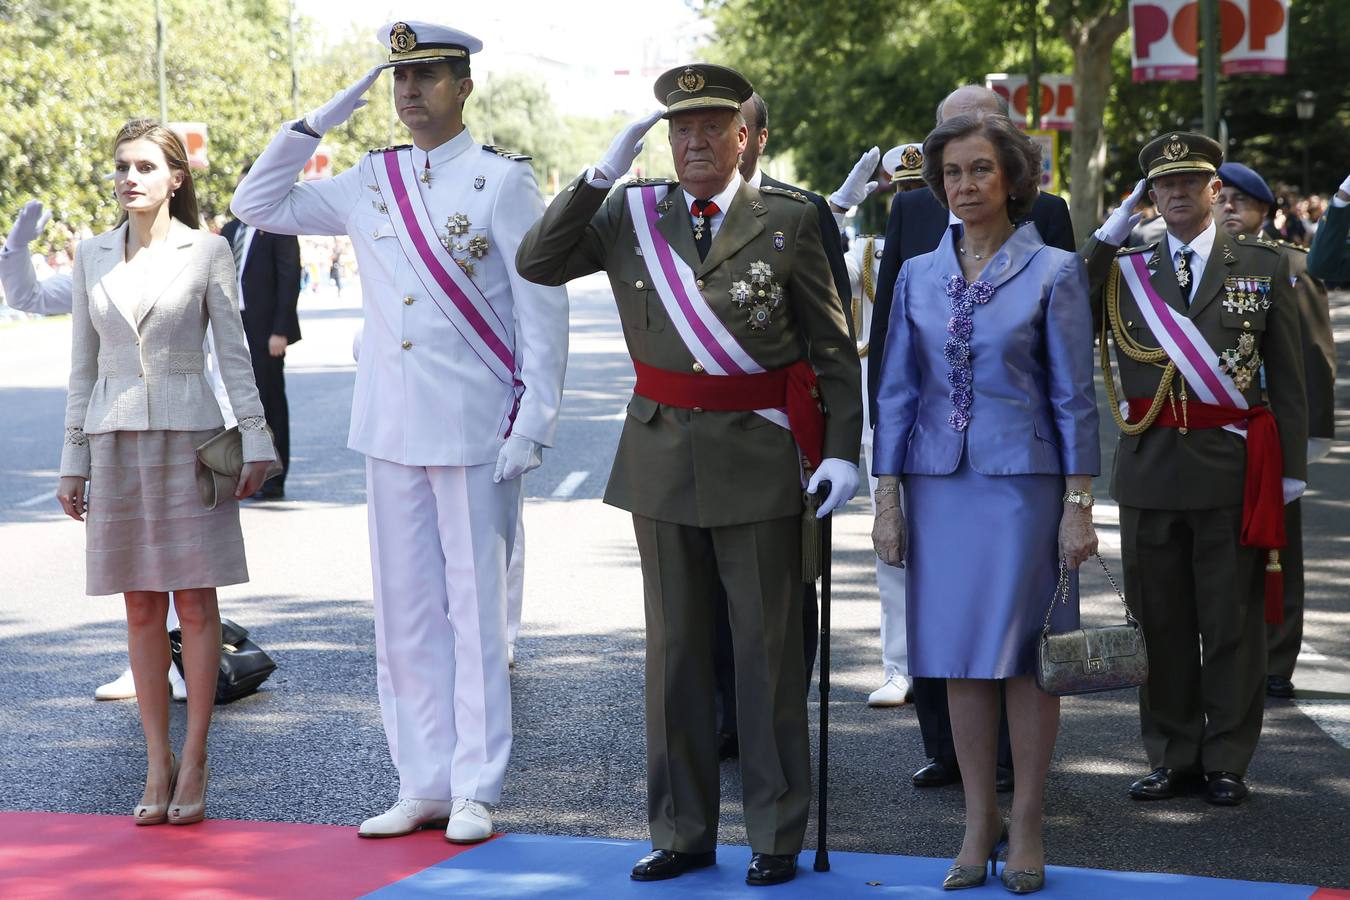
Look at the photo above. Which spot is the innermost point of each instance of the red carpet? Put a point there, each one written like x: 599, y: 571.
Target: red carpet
x: 48, y: 855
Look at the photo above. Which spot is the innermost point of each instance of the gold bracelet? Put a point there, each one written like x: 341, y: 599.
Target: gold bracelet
x: 893, y: 489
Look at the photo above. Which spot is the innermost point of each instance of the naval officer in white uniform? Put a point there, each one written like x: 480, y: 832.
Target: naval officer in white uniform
x: 457, y: 391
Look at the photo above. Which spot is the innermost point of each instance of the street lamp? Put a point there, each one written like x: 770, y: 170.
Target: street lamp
x: 1305, y: 104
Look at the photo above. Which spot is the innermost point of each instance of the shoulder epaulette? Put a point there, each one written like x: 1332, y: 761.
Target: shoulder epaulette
x: 780, y: 192
x: 506, y: 154
x: 1261, y: 241
x: 1126, y: 251
x: 1290, y: 245
x: 643, y: 182
x: 386, y: 149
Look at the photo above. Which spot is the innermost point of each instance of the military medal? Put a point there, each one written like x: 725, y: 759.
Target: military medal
x: 1183, y: 273
x: 379, y: 206
x: 466, y: 265
x: 761, y: 294
x: 1242, y: 362
x: 740, y: 293
x: 478, y: 246
x: 779, y: 241
x: 698, y: 227
x: 457, y: 224
x: 479, y: 182
x: 425, y: 177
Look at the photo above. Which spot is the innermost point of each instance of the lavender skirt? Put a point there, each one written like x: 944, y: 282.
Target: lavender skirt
x: 982, y: 565
x: 147, y: 529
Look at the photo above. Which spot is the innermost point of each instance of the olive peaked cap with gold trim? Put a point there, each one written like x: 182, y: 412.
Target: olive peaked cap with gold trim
x: 701, y: 86
x: 1175, y: 152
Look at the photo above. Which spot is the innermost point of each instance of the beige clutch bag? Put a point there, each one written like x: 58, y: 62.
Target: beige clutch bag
x: 219, y: 462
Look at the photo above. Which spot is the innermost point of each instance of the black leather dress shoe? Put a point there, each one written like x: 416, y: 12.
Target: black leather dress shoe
x: 1225, y: 789
x: 936, y: 774
x: 662, y: 864
x: 770, y: 868
x: 1163, y: 784
x: 269, y: 492
x: 1279, y: 687
x: 728, y: 745
x: 1003, y: 779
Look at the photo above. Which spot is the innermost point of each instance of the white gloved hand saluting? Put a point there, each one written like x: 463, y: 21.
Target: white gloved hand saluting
x: 344, y: 103
x: 27, y: 226
x: 626, y: 146
x: 1342, y: 196
x: 856, y: 186
x: 1116, y: 230
x: 843, y: 478
x: 518, y: 455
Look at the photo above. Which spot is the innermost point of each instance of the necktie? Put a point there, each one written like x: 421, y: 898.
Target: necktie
x: 1185, y: 277
x: 703, y: 211
x: 237, y: 245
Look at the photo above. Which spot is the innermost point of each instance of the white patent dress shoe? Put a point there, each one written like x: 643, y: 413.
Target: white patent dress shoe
x: 893, y: 693
x: 177, y: 686
x: 470, y: 822
x: 406, y: 816
x: 123, y: 687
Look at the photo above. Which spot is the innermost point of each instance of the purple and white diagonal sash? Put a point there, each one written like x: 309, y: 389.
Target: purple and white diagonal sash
x: 453, y: 292
x: 703, y: 333
x: 1182, y: 341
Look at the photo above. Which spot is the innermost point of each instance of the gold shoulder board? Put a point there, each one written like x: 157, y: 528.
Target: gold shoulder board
x: 779, y: 192
x: 1288, y: 245
x: 506, y: 154
x: 394, y: 147
x: 1126, y: 251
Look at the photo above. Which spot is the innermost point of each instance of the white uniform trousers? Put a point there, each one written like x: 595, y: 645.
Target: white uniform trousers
x: 891, y: 587
x: 440, y: 538
x: 515, y: 578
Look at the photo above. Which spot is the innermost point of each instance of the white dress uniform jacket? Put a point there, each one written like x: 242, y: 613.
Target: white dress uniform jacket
x: 864, y: 254
x: 422, y: 397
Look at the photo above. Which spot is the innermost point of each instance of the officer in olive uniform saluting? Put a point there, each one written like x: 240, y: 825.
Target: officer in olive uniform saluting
x: 1203, y: 467
x: 1241, y: 209
x: 737, y: 335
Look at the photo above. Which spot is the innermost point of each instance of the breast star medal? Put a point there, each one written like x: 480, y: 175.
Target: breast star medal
x: 478, y: 246
x: 1241, y: 362
x: 760, y: 294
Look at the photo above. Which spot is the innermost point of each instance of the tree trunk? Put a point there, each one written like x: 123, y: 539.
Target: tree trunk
x: 1091, y: 38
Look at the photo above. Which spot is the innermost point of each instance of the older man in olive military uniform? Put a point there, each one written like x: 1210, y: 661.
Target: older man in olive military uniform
x: 1241, y: 209
x: 738, y: 338
x: 1203, y: 467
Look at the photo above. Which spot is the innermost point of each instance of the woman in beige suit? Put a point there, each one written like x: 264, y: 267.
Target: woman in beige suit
x: 138, y: 407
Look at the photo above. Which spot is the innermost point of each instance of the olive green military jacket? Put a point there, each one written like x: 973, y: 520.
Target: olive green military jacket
x: 1204, y: 468
x: 710, y: 469
x: 1319, y: 344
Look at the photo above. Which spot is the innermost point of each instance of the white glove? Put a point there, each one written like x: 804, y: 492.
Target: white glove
x: 856, y: 187
x: 344, y: 103
x: 518, y: 455
x: 27, y: 226
x: 1344, y: 192
x: 1293, y: 489
x: 843, y: 478
x: 625, y: 147
x: 1116, y: 230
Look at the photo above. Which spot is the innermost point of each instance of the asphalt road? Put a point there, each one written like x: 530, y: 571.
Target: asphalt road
x: 309, y: 747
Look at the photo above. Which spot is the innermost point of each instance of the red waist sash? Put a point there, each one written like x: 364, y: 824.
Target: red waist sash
x: 1262, y: 495
x: 793, y: 388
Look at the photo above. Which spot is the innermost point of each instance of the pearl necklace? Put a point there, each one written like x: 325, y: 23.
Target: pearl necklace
x: 981, y: 257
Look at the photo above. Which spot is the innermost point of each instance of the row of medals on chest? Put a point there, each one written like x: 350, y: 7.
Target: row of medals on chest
x: 452, y: 234
x: 1243, y: 295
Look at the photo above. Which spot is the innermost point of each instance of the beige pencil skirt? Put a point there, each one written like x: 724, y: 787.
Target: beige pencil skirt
x: 147, y: 529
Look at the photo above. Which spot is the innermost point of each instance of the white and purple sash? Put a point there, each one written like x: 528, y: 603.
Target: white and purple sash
x: 453, y: 291
x: 703, y: 333
x: 1182, y: 342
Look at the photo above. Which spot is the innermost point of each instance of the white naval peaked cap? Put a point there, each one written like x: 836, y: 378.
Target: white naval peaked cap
x: 410, y: 41
x: 904, y: 162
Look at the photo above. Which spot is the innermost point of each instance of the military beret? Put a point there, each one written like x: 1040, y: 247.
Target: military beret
x: 701, y: 86
x: 1244, y: 179
x: 412, y: 42
x: 1180, y: 151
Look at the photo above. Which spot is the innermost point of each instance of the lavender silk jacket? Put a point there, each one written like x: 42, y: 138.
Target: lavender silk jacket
x: 1034, y: 409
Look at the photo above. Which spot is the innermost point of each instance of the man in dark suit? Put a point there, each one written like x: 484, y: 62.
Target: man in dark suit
x: 268, y: 269
x: 916, y: 226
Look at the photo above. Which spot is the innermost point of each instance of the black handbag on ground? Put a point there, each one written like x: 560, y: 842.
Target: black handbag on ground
x: 243, y: 664
x: 1088, y: 660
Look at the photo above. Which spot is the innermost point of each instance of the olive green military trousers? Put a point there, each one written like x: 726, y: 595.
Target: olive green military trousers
x: 1284, y: 640
x: 759, y: 565
x: 1200, y: 598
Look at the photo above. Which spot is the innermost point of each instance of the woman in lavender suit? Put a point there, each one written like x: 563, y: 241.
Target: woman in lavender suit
x: 987, y: 413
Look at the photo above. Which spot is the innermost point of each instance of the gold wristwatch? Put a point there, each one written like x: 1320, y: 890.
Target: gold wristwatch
x: 1079, y: 498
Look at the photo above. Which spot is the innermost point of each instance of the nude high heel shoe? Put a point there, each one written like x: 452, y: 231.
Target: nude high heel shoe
x: 157, y: 813
x: 960, y: 877
x: 190, y: 813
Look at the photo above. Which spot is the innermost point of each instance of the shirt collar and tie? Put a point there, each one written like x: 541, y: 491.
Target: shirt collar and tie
x: 1196, y: 253
x: 713, y: 214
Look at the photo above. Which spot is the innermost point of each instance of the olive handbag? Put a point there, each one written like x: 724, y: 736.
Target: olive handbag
x: 1088, y: 660
x: 220, y: 460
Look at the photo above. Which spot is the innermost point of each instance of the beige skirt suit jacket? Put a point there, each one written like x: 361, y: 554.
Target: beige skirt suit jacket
x: 139, y: 405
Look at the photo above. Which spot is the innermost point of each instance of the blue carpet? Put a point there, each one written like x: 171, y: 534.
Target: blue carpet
x: 536, y: 866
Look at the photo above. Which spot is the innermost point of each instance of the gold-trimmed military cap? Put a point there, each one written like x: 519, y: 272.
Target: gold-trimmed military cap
x: 904, y: 163
x: 413, y: 42
x: 701, y: 86
x: 1175, y: 152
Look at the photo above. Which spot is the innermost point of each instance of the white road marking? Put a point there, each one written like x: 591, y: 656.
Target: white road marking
x: 570, y: 484
x: 44, y: 497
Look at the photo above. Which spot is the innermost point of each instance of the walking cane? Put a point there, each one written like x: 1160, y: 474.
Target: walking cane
x: 822, y: 863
